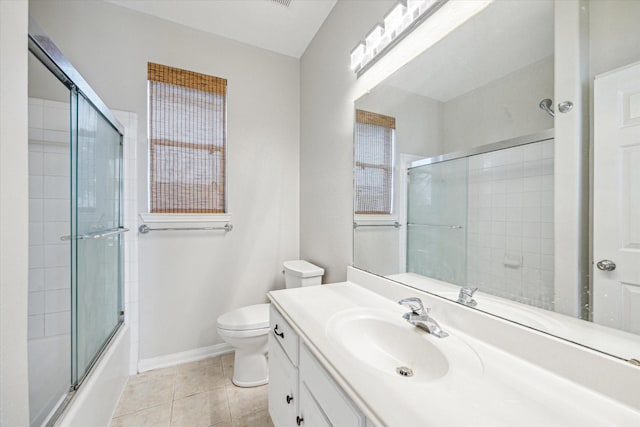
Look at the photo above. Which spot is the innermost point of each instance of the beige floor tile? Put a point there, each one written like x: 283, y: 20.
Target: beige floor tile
x: 169, y: 372
x: 192, y: 411
x: 219, y: 406
x: 158, y: 416
x: 255, y: 419
x: 198, y: 379
x: 227, y: 358
x: 227, y: 368
x: 214, y: 362
x: 141, y: 394
x: 246, y: 400
x: 196, y: 394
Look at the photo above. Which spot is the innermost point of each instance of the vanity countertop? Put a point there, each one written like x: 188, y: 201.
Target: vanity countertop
x: 483, y: 385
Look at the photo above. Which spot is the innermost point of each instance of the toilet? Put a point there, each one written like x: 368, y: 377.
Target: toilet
x: 246, y: 328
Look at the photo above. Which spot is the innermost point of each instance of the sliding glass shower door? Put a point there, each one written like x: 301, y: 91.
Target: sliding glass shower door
x: 76, y: 271
x: 437, y: 216
x: 96, y: 224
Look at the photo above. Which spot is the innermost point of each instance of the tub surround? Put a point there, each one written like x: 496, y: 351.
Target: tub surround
x: 486, y: 382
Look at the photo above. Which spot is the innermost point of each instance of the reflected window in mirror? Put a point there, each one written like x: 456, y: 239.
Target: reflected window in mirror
x: 373, y: 167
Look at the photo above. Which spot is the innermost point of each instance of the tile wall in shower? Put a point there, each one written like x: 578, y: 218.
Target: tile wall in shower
x: 510, y: 223
x: 49, y: 187
x: 49, y: 315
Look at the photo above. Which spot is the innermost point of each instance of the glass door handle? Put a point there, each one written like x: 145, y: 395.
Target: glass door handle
x: 97, y: 234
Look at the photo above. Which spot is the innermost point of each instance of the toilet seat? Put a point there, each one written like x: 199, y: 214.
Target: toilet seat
x: 249, y: 318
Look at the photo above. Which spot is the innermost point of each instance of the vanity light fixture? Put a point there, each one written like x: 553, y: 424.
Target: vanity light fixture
x: 397, y: 24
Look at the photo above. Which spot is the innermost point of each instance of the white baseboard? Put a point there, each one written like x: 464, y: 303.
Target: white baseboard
x: 183, y: 357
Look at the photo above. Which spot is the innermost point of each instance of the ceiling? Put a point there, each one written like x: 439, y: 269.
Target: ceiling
x: 268, y: 24
x: 503, y: 38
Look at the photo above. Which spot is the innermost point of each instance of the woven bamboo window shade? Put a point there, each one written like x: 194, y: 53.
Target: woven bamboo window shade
x: 373, y: 154
x: 187, y: 117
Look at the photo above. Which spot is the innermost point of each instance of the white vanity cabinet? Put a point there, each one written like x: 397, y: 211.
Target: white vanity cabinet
x: 334, y: 405
x: 301, y: 392
x: 283, y: 371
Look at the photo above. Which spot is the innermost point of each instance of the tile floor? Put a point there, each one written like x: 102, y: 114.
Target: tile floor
x: 197, y: 394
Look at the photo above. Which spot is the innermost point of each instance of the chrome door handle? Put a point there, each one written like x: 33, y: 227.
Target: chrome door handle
x: 606, y: 265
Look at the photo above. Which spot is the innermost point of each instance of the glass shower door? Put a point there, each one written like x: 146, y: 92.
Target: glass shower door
x: 437, y: 215
x: 96, y: 223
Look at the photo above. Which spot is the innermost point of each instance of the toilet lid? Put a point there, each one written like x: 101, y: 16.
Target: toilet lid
x: 245, y: 318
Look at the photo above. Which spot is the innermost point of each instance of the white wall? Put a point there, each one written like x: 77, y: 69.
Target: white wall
x: 14, y: 214
x: 187, y: 279
x: 503, y: 109
x: 613, y: 35
x: 327, y: 93
x: 418, y: 118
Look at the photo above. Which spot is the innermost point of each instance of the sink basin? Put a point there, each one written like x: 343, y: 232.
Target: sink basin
x: 382, y: 340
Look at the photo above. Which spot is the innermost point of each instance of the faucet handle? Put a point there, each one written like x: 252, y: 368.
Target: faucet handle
x: 414, y: 304
x: 468, y: 291
x: 466, y: 296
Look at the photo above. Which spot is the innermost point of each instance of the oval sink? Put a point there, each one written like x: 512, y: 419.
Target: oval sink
x: 383, y: 340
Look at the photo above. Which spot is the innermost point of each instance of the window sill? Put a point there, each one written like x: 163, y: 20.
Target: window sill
x: 184, y: 220
x: 375, y: 219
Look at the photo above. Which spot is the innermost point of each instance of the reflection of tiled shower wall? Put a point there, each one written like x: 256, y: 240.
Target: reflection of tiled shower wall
x: 510, y: 223
x: 49, y: 189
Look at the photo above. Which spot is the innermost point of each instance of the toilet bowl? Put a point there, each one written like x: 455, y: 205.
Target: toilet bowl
x: 246, y: 329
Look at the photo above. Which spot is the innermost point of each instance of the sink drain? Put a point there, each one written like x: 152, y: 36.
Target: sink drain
x: 404, y: 371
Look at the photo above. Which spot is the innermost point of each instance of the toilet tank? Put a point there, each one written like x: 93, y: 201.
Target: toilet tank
x: 300, y: 273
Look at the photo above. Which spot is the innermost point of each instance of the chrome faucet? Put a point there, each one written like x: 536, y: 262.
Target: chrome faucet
x: 419, y: 316
x: 465, y: 297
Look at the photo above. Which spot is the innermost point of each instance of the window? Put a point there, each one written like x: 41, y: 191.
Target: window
x: 373, y: 177
x: 187, y: 141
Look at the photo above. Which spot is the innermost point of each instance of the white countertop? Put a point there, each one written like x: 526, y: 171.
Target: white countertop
x: 485, y: 386
x: 601, y: 338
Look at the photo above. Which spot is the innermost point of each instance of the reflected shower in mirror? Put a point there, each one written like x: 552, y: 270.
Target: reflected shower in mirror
x: 470, y: 191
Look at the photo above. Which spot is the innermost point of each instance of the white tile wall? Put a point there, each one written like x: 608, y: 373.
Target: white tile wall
x: 49, y: 183
x: 130, y: 123
x: 510, y: 240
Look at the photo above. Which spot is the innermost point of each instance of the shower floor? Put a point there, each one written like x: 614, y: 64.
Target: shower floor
x: 197, y: 394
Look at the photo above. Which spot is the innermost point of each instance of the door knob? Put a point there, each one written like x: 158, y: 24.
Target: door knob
x: 606, y: 265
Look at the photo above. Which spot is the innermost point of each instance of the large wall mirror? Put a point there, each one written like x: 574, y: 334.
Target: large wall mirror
x: 456, y: 173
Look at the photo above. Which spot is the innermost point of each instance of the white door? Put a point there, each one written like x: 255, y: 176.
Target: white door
x: 616, y: 203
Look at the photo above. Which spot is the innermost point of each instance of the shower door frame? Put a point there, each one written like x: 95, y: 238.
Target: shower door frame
x: 43, y: 48
x: 541, y: 136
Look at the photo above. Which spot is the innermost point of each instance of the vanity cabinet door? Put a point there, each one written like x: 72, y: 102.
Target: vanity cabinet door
x: 283, y: 386
x: 310, y: 413
x: 326, y: 394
